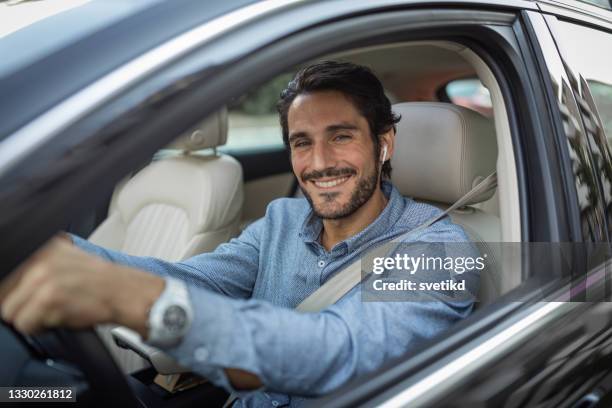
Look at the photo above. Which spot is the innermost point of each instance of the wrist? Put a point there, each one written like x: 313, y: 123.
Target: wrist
x: 170, y: 316
x: 133, y: 295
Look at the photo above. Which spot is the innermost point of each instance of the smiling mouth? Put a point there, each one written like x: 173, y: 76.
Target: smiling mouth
x: 330, y: 183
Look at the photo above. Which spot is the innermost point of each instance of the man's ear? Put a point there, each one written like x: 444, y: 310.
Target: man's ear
x: 388, y: 139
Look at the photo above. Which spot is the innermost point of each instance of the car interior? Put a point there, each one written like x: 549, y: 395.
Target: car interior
x: 200, y: 190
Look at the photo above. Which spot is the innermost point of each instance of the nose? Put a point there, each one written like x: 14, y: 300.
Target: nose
x: 322, y: 156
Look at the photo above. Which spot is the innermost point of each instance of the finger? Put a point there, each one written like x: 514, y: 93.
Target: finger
x: 32, y: 279
x: 37, y: 314
x: 50, y: 310
x: 9, y: 283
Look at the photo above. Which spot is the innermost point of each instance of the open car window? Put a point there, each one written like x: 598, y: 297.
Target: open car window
x: 470, y: 93
x: 253, y: 120
x: 515, y: 137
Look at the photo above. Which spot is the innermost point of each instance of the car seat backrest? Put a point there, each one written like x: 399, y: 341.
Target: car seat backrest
x: 183, y: 203
x: 442, y: 151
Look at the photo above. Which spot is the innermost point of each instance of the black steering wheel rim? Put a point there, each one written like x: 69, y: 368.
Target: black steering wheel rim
x: 84, y: 349
x: 106, y: 380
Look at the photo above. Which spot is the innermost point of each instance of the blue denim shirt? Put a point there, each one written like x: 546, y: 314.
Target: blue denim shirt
x: 244, y: 292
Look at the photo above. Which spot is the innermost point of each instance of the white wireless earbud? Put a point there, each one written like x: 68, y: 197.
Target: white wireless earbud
x: 384, y: 157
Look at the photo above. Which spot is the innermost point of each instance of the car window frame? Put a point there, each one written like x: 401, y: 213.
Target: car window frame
x: 183, y: 119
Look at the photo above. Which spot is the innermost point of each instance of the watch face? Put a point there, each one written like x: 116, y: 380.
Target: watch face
x: 175, y: 318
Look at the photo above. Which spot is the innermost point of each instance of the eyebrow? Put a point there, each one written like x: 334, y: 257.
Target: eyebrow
x: 340, y: 126
x: 328, y: 129
x: 297, y: 135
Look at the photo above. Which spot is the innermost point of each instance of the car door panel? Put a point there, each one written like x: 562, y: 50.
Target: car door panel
x: 517, y: 352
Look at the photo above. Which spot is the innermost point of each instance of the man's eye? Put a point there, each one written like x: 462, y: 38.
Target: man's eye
x: 301, y: 143
x: 342, y: 138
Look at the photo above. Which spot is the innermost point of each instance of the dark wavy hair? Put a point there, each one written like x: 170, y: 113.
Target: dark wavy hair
x: 356, y: 82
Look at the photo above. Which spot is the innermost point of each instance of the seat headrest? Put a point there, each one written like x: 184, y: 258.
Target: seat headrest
x: 211, y: 132
x: 442, y: 151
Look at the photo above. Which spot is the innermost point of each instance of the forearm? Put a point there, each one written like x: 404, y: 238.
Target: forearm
x: 152, y: 265
x: 303, y: 354
x: 243, y: 345
x: 230, y: 270
x: 242, y: 380
x: 131, y: 295
x: 60, y: 285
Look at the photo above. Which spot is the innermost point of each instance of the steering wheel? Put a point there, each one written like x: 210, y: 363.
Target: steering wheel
x: 85, y: 350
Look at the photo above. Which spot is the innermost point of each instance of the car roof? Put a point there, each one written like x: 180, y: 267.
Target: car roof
x: 34, y: 80
x: 48, y: 79
x: 29, y: 30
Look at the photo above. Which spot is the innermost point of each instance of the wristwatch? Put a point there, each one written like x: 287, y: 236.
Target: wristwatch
x: 170, y: 316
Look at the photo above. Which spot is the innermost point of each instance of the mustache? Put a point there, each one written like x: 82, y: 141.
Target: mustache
x: 315, y: 174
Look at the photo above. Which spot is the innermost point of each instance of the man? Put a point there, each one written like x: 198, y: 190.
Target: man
x: 235, y: 319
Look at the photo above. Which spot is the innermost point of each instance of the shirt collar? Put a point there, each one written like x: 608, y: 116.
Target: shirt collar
x: 393, y: 211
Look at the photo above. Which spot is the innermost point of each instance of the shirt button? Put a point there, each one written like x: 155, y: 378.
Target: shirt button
x: 201, y: 354
x: 275, y: 403
x: 321, y: 263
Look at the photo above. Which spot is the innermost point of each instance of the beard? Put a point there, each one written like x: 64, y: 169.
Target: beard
x: 363, y: 191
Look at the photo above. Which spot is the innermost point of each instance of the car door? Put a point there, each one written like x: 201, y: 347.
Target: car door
x: 137, y: 119
x: 558, y: 353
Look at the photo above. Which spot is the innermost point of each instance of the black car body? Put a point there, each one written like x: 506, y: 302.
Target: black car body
x: 75, y: 121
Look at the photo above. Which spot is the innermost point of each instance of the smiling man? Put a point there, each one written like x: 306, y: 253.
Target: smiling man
x: 229, y: 314
x: 333, y: 152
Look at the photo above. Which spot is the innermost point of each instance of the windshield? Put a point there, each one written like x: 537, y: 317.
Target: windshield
x: 32, y: 29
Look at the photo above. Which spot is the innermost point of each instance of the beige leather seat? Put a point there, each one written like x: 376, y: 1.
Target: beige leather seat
x: 183, y: 203
x: 442, y: 151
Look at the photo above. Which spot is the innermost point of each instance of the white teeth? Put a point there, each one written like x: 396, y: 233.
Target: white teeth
x: 332, y: 183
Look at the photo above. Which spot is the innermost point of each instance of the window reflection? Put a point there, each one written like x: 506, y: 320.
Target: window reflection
x: 585, y: 52
x: 583, y: 167
x: 599, y: 3
x: 602, y: 96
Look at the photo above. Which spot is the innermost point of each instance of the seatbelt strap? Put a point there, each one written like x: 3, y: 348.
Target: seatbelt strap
x: 345, y: 280
x: 342, y: 282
